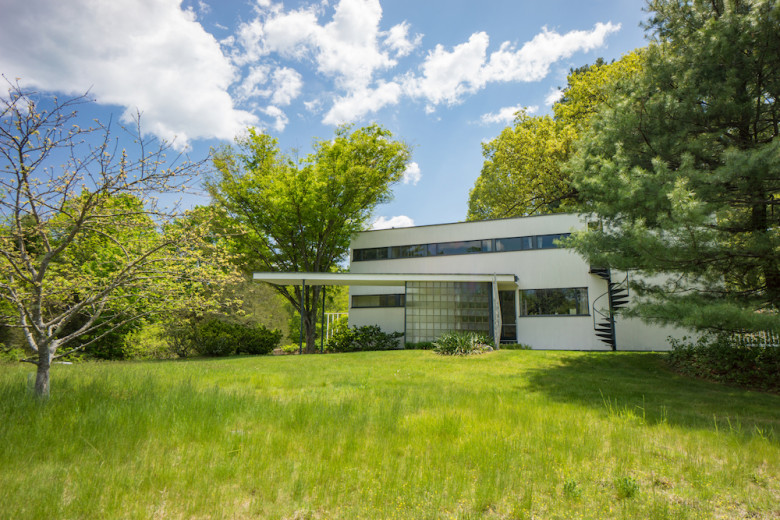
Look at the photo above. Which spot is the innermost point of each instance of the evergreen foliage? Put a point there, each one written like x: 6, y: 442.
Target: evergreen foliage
x: 682, y: 168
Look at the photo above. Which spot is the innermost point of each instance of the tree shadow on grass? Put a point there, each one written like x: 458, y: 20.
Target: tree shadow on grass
x: 642, y: 385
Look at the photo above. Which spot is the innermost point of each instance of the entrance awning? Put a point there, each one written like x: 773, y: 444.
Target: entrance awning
x: 504, y: 281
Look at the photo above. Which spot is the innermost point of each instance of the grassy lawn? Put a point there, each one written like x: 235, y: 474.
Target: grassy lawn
x: 510, y: 434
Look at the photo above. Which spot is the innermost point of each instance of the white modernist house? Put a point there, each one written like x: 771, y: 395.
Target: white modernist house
x: 507, y: 278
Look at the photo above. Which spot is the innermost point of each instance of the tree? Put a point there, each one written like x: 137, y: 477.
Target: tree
x: 300, y: 216
x: 83, y: 247
x: 523, y: 172
x: 683, y: 168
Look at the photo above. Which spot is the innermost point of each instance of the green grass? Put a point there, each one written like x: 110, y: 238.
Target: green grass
x: 403, y: 434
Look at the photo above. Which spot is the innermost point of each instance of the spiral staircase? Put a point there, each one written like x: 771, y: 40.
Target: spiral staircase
x: 617, y: 297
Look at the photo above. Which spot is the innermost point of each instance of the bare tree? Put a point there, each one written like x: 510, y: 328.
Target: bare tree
x: 84, y: 248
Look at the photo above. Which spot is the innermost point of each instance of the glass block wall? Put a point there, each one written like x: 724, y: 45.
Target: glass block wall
x: 433, y: 308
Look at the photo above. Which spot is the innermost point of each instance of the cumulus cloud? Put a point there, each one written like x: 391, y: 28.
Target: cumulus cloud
x: 278, y: 117
x: 412, y: 174
x: 360, y: 102
x: 346, y: 48
x: 355, y: 53
x: 397, y: 40
x: 506, y: 115
x: 447, y: 76
x: 148, y: 56
x: 398, y: 221
x: 553, y: 96
x: 287, y: 84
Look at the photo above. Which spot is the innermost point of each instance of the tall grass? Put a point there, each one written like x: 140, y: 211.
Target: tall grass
x: 403, y: 434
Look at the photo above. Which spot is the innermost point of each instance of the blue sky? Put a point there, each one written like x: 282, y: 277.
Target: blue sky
x: 442, y: 75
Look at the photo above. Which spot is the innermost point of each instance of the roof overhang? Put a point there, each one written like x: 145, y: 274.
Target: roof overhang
x: 503, y: 280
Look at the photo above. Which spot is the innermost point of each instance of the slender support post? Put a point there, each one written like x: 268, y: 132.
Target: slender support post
x: 322, y: 325
x: 303, y: 306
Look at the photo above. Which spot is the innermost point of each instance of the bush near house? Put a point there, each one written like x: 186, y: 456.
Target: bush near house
x: 720, y: 358
x: 419, y: 345
x: 462, y: 344
x: 369, y: 337
x: 219, y: 338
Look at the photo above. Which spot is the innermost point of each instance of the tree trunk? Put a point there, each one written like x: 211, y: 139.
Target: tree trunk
x: 42, y: 376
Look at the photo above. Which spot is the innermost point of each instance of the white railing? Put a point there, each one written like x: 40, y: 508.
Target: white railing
x: 330, y: 322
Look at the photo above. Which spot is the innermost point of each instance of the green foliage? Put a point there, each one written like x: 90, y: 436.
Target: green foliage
x: 290, y: 348
x: 523, y: 173
x: 299, y: 215
x: 571, y: 489
x: 681, y: 168
x: 84, y: 248
x: 147, y: 342
x: 726, y: 359
x: 214, y: 337
x: 626, y: 487
x: 358, y: 339
x: 419, y: 345
x: 462, y: 344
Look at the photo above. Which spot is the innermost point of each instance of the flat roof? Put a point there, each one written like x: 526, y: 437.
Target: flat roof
x: 460, y: 222
x: 378, y: 279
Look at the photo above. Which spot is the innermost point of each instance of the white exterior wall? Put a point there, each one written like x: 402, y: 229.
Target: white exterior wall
x: 534, y: 269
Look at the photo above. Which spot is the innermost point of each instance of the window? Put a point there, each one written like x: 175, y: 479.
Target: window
x: 460, y: 248
x: 554, y: 302
x: 514, y: 244
x: 434, y: 308
x: 362, y: 301
x: 549, y: 241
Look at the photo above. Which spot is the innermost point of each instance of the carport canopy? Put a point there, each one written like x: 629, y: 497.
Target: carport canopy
x: 504, y: 281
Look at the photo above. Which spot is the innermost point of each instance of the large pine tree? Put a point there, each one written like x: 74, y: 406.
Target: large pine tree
x: 683, y: 167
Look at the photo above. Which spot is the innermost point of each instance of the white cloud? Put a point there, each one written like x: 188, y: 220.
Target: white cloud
x: 397, y: 40
x: 287, y: 84
x: 447, y: 76
x: 279, y: 118
x: 392, y: 222
x: 412, y: 174
x: 506, y: 115
x: 532, y: 62
x: 346, y: 48
x: 150, y: 56
x: 250, y: 86
x: 553, y: 96
x: 361, y: 102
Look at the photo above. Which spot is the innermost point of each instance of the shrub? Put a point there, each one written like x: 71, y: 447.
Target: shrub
x: 721, y: 358
x: 147, y: 342
x: 626, y: 487
x: 290, y: 349
x: 256, y: 340
x: 214, y: 337
x: 462, y: 344
x: 419, y: 345
x: 368, y: 337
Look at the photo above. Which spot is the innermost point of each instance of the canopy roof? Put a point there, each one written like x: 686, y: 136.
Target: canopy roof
x: 503, y: 280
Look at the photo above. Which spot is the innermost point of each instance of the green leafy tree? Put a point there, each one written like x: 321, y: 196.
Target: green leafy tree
x: 83, y: 248
x: 683, y: 167
x: 300, y: 216
x: 523, y: 172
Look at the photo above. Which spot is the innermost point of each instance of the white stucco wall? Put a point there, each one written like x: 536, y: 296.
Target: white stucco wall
x: 534, y: 269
